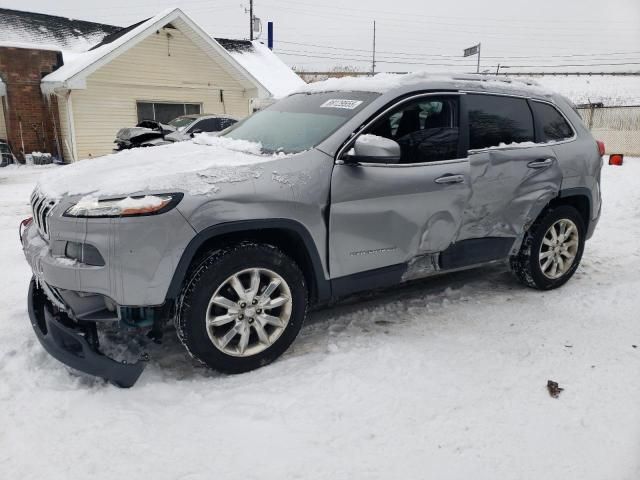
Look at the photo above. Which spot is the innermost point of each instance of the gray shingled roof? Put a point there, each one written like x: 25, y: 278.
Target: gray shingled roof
x: 39, y: 29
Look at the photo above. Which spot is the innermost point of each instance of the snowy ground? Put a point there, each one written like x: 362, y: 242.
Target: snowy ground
x: 443, y: 379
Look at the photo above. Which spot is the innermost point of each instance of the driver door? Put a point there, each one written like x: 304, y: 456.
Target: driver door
x: 385, y: 214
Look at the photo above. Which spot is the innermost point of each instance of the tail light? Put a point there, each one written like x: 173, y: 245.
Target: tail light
x: 616, y: 159
x: 601, y: 148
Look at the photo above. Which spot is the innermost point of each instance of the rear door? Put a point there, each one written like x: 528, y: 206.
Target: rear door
x: 388, y: 214
x: 512, y: 177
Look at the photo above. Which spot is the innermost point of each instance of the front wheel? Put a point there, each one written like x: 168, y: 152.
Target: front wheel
x: 551, y: 249
x: 242, y: 307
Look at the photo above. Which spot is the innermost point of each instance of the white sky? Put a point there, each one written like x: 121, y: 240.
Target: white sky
x: 411, y: 34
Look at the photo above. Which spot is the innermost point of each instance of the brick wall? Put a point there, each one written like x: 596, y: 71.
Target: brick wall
x: 21, y: 70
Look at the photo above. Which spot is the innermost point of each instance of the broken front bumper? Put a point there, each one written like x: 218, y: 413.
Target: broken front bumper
x: 76, y: 344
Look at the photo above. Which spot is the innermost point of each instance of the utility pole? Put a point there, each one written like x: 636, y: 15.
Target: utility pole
x: 498, y: 70
x: 251, y: 20
x: 478, y: 68
x: 373, y: 59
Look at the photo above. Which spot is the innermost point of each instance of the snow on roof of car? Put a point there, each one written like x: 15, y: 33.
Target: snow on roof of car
x: 197, y: 166
x: 264, y: 65
x: 385, y: 82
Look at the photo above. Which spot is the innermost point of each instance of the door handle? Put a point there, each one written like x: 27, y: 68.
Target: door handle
x: 542, y: 163
x: 447, y: 179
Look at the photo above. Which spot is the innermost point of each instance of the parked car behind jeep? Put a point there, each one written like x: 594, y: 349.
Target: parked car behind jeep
x: 347, y: 186
x: 151, y: 133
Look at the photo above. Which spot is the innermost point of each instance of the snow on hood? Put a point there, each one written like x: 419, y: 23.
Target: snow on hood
x: 197, y: 166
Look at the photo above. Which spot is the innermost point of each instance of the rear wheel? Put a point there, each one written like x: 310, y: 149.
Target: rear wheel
x: 242, y: 307
x: 551, y: 250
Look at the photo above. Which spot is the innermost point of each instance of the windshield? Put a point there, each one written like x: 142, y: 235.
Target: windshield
x: 301, y: 121
x: 181, y: 122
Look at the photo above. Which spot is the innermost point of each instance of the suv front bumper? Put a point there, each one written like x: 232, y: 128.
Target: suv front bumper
x: 75, y: 344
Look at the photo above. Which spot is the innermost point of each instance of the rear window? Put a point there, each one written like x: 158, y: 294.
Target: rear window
x: 496, y: 120
x: 553, y: 125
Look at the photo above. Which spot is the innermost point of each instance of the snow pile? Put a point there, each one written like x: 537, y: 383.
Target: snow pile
x: 245, y: 146
x: 194, y: 166
x: 268, y: 69
x: 611, y: 90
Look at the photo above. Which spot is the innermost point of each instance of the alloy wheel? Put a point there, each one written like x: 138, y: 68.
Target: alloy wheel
x: 248, y: 312
x: 559, y: 248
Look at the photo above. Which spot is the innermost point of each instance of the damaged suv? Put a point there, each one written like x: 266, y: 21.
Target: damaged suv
x: 349, y: 185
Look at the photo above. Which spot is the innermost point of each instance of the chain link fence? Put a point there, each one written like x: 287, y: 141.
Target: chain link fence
x: 617, y: 127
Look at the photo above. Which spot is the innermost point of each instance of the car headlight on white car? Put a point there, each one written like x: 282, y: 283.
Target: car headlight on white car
x: 92, y: 207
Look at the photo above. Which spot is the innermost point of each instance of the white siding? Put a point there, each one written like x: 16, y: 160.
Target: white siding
x: 3, y: 124
x: 161, y: 68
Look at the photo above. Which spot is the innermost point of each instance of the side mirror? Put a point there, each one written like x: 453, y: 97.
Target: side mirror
x: 195, y: 131
x: 374, y: 149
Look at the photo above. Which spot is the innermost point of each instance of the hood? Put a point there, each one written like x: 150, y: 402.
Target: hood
x: 195, y: 166
x: 133, y: 133
x: 177, y: 136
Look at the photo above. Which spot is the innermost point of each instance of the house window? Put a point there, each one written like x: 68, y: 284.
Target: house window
x: 164, y: 112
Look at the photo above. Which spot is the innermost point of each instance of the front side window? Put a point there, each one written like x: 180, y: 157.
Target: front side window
x: 495, y: 120
x: 553, y: 125
x: 426, y: 129
x: 164, y: 112
x: 301, y: 121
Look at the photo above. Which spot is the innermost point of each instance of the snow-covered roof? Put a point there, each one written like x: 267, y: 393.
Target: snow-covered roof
x: 264, y: 65
x: 611, y: 90
x: 100, y: 53
x: 255, y: 64
x: 50, y: 32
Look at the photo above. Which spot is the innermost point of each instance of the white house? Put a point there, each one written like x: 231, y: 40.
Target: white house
x: 163, y: 66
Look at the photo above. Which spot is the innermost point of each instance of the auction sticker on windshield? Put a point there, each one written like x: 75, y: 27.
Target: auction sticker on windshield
x: 341, y: 103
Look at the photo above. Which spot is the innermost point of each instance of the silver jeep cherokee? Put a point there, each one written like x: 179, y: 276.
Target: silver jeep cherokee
x: 364, y: 184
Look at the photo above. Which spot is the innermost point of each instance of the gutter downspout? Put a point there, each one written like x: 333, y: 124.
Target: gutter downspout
x: 73, y: 149
x: 72, y: 126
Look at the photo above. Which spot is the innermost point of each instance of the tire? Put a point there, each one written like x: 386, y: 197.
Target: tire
x: 528, y: 265
x: 204, y: 324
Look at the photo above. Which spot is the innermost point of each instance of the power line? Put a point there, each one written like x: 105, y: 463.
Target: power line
x: 438, y: 55
x: 402, y: 62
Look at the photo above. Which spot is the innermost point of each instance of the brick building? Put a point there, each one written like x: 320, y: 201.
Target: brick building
x: 31, y: 47
x: 30, y: 122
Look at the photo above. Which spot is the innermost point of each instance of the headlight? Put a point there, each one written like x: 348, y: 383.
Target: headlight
x: 124, y: 207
